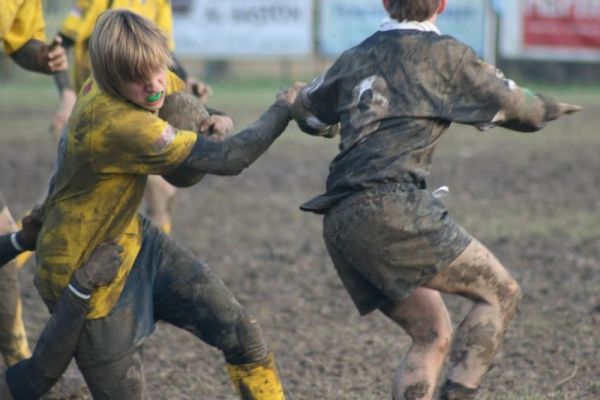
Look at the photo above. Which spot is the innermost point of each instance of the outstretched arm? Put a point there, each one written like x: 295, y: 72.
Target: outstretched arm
x: 31, y: 378
x: 479, y: 94
x: 232, y: 155
x: 66, y: 92
x: 526, y: 111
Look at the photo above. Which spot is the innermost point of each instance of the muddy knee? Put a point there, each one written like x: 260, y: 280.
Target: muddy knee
x: 509, y: 297
x: 244, y: 344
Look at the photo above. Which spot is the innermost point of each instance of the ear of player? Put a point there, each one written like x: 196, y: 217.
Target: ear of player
x: 257, y: 381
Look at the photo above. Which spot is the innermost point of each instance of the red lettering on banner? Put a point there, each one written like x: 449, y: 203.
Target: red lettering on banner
x: 562, y: 23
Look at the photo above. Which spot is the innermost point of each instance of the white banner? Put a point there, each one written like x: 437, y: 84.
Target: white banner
x: 239, y: 28
x: 345, y: 23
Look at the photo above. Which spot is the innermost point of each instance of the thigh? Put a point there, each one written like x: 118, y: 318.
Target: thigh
x: 189, y: 295
x: 423, y: 315
x: 122, y: 379
x: 475, y: 273
x: 7, y: 223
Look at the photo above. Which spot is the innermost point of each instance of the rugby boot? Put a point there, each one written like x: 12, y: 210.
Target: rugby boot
x: 455, y: 391
x: 257, y: 381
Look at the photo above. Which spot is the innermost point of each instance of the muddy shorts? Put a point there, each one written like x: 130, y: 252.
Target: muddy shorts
x: 389, y: 240
x: 166, y: 283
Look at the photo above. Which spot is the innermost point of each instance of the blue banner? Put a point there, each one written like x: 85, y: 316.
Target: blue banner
x: 345, y: 23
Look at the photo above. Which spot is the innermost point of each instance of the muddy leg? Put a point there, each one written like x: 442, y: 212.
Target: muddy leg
x: 478, y: 275
x: 13, y: 340
x: 159, y: 197
x: 424, y: 317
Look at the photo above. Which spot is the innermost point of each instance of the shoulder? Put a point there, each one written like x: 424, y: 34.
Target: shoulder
x: 174, y: 83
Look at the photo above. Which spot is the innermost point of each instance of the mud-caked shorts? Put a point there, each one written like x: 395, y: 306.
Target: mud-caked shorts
x: 167, y: 282
x: 386, y: 241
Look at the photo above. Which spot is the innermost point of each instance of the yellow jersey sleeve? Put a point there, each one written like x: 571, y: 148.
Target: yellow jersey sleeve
x: 72, y: 23
x: 139, y: 143
x: 21, y: 21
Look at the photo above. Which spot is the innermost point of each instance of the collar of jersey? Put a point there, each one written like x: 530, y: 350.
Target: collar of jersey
x: 389, y: 24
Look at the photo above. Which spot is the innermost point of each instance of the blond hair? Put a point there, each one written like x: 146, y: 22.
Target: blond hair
x: 126, y: 47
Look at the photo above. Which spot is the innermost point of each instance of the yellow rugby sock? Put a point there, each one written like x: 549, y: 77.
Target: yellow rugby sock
x: 257, y: 381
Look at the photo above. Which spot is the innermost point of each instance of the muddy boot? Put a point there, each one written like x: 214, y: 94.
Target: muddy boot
x: 455, y: 391
x: 13, y: 340
x: 257, y: 381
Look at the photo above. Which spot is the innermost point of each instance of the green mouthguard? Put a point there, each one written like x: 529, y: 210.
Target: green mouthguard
x: 154, y: 97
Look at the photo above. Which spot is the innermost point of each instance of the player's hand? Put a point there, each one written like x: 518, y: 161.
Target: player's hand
x: 566, y: 108
x: 67, y: 101
x: 289, y: 94
x: 199, y: 89
x: 27, y: 236
x: 55, y: 56
x: 217, y: 127
x: 101, y: 268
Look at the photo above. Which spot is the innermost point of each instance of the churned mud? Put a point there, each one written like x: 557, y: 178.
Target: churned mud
x: 250, y: 231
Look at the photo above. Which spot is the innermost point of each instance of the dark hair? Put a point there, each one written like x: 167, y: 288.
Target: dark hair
x: 412, y: 10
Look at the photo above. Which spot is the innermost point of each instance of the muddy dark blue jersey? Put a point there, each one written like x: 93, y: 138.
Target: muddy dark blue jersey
x: 394, y: 95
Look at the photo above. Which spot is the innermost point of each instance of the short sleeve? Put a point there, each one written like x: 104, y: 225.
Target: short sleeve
x: 137, y: 142
x: 72, y: 22
x: 27, y: 24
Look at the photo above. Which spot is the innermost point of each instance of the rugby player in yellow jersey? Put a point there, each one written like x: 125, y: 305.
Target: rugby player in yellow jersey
x: 114, y: 141
x: 22, y: 34
x: 75, y: 31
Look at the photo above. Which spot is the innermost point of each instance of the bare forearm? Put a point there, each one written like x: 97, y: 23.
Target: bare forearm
x: 234, y: 154
x: 31, y: 56
x: 526, y: 111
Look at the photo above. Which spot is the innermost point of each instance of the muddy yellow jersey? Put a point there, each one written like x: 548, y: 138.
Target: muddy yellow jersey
x: 20, y: 21
x: 79, y: 25
x: 103, y: 163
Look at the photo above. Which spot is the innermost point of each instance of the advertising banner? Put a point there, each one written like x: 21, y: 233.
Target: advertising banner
x: 574, y: 24
x: 552, y: 29
x: 344, y: 23
x: 240, y: 28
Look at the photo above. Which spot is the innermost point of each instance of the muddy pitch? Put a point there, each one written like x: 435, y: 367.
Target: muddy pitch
x: 271, y: 255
